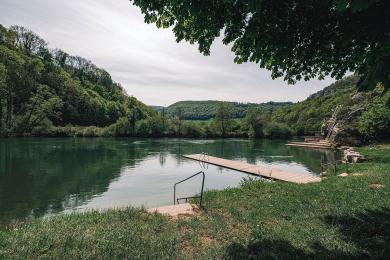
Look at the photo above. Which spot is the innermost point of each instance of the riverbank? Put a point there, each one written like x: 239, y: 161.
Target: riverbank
x: 341, y: 217
x: 157, y: 129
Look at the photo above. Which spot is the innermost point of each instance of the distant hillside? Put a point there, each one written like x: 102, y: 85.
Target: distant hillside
x: 204, y: 110
x: 156, y: 108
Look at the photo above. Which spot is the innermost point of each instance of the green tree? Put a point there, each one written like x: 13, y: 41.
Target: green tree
x: 255, y: 122
x: 133, y: 115
x: 294, y: 39
x: 223, y: 117
x: 3, y: 92
x: 28, y: 41
x: 179, y: 114
x: 374, y: 124
x: 42, y: 105
x: 163, y: 115
x: 276, y: 130
x: 22, y: 73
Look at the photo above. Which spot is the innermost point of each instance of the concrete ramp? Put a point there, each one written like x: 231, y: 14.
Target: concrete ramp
x: 176, y: 211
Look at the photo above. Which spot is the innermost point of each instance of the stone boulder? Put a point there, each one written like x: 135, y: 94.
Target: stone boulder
x: 352, y: 156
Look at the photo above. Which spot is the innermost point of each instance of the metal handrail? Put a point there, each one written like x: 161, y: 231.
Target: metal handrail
x: 201, y: 193
x: 204, y: 156
x: 325, y: 166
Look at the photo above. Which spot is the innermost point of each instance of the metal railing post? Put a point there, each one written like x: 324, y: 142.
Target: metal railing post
x: 186, y: 198
x: 174, y: 194
x: 201, y: 192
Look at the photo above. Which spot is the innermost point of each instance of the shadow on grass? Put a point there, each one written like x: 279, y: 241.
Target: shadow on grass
x: 369, y: 232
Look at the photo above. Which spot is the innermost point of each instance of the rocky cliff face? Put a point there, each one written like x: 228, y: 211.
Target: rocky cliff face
x: 345, y: 131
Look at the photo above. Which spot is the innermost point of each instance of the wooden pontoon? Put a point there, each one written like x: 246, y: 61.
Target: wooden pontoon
x: 259, y: 170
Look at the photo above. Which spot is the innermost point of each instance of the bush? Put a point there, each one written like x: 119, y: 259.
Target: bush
x: 45, y: 128
x: 276, y: 130
x: 122, y: 127
x: 151, y: 126
x: 61, y: 131
x: 91, y: 131
x: 192, y: 130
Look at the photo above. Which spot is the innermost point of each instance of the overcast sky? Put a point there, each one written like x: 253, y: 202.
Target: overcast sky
x: 147, y: 61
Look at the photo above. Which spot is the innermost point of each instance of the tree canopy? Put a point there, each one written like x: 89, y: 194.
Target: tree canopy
x: 294, y: 39
x: 204, y: 110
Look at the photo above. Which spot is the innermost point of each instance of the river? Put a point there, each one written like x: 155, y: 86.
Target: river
x: 42, y: 176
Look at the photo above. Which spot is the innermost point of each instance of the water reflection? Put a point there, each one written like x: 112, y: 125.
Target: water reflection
x: 47, y: 176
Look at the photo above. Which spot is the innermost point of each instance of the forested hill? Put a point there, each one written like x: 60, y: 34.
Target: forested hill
x: 42, y: 87
x: 204, y: 110
x: 47, y: 92
x: 306, y: 117
x: 363, y: 115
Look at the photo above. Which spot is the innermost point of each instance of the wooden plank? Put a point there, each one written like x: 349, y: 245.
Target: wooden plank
x: 259, y: 170
x: 311, y: 145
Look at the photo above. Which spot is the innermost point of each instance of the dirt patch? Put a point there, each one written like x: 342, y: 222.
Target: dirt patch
x: 195, y: 211
x: 89, y: 233
x: 357, y: 174
x: 236, y: 226
x: 187, y: 249
x: 272, y: 222
x: 206, y: 240
x: 376, y: 186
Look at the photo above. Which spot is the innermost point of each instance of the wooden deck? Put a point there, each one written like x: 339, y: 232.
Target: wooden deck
x: 321, y: 144
x: 259, y: 170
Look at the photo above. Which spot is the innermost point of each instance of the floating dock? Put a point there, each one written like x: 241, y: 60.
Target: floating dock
x: 321, y: 144
x: 259, y: 170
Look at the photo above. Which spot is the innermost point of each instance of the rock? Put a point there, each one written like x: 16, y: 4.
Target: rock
x: 357, y: 158
x: 376, y: 186
x: 352, y: 156
x: 358, y: 96
x: 177, y: 211
x: 343, y: 148
x: 344, y: 174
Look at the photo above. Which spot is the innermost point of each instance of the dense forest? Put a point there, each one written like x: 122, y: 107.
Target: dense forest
x: 42, y: 88
x: 204, y: 110
x: 47, y: 92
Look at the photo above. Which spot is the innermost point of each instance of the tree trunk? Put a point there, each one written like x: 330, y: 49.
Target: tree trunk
x: 1, y: 115
x: 223, y: 127
x: 9, y: 109
x: 27, y: 121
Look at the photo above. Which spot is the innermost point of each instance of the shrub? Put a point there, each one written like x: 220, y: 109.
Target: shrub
x: 192, y: 130
x: 276, y: 130
x: 91, y: 131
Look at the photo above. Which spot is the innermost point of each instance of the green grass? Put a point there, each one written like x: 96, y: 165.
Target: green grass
x: 342, y: 217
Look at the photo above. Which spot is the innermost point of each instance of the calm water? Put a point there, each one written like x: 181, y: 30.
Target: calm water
x: 41, y: 177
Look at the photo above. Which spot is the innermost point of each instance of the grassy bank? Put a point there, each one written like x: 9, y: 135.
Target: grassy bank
x: 342, y: 217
